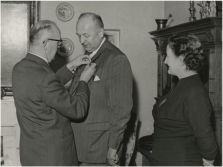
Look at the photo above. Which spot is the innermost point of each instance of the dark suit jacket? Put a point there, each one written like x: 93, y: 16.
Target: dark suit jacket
x: 110, y: 106
x: 43, y: 109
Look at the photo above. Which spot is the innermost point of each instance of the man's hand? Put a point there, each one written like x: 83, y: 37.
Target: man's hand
x: 88, y: 72
x: 208, y: 162
x: 112, y: 157
x: 78, y: 61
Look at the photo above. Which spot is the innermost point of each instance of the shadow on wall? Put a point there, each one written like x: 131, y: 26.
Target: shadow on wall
x: 135, y: 96
x: 135, y: 109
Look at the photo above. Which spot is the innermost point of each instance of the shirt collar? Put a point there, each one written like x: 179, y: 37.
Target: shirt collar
x: 93, y: 53
x: 40, y: 57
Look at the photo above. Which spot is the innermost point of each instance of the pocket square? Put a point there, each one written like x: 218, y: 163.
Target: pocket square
x: 96, y: 78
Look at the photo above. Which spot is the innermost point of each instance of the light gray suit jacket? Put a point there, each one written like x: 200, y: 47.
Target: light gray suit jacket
x: 110, y: 106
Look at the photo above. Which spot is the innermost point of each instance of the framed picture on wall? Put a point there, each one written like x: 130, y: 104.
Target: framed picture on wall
x: 15, y: 37
x: 113, y: 36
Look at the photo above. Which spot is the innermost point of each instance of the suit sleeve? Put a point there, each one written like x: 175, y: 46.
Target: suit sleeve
x: 120, y: 97
x: 198, y: 112
x: 65, y: 75
x: 56, y: 96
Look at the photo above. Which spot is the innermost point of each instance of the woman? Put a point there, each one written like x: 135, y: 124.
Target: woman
x: 183, y: 135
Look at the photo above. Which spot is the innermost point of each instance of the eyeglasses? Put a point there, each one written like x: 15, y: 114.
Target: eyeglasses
x: 58, y: 40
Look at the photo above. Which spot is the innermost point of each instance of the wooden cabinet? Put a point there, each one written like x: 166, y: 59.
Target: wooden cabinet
x: 209, y: 31
x: 10, y: 132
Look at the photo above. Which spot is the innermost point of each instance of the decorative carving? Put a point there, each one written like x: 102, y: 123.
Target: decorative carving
x: 160, y: 43
x: 210, y: 35
x: 163, y: 42
x: 34, y: 12
x: 163, y: 55
x: 192, y: 11
x: 156, y: 42
x: 207, y: 9
x: 32, y: 18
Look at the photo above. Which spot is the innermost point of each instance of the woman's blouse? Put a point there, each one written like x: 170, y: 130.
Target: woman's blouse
x: 182, y: 127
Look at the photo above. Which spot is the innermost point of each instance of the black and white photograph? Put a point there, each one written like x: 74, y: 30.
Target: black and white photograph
x: 111, y: 83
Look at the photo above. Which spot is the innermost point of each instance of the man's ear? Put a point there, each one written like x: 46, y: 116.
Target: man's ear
x: 101, y: 32
x: 182, y: 60
x: 45, y: 45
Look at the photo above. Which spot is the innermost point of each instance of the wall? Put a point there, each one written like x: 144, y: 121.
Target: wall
x: 180, y: 11
x: 135, y: 20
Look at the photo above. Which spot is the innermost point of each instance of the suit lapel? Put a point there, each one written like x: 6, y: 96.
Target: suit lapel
x: 95, y: 59
x: 76, y: 79
x: 99, y: 52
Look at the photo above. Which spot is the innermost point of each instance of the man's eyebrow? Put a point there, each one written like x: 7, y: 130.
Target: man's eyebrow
x: 82, y: 34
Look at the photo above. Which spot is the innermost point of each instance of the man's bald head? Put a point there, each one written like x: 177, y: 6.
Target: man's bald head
x: 96, y: 18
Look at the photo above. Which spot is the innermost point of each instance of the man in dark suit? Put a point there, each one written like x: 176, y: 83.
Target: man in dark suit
x: 43, y: 105
x: 99, y: 135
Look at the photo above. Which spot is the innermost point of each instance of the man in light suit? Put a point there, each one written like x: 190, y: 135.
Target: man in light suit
x: 99, y: 135
x: 43, y: 105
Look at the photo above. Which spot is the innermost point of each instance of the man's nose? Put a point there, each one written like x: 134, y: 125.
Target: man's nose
x: 82, y: 39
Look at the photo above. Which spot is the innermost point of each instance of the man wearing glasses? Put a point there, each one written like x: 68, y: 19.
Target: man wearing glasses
x: 43, y: 105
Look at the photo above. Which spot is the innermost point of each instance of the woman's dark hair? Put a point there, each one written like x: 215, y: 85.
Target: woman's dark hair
x: 188, y: 46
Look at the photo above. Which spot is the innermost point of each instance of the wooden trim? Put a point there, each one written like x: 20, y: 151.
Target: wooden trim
x: 188, y: 27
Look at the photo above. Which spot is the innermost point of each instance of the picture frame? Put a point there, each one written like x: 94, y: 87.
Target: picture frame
x: 113, y: 36
x: 17, y: 36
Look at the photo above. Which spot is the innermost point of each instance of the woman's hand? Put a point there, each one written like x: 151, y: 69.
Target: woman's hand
x: 208, y: 162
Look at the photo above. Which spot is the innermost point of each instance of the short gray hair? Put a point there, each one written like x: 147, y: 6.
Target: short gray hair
x: 38, y: 29
x: 94, y: 17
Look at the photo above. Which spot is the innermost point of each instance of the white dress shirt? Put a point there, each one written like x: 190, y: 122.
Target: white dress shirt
x: 93, y: 53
